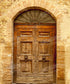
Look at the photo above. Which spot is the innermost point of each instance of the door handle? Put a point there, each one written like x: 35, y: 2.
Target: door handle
x: 35, y: 61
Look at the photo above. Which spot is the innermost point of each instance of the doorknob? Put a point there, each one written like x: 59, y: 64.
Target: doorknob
x: 35, y: 61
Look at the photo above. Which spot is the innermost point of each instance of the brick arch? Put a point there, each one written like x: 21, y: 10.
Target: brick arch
x: 14, y: 10
x: 35, y: 7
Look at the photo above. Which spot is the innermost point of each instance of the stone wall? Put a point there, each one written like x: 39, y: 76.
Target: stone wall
x: 9, y: 9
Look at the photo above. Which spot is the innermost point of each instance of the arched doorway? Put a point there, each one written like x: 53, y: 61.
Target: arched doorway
x: 34, y: 47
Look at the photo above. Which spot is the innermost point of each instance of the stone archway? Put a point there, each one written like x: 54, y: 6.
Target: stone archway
x: 29, y: 55
x: 16, y: 8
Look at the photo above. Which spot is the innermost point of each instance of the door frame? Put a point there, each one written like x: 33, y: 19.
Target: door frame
x: 50, y: 24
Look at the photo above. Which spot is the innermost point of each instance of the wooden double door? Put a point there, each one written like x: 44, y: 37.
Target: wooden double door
x: 34, y: 54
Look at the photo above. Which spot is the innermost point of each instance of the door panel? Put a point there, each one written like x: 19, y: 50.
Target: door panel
x: 34, y: 52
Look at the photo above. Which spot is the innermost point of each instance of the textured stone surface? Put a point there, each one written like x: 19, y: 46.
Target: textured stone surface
x: 9, y: 9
